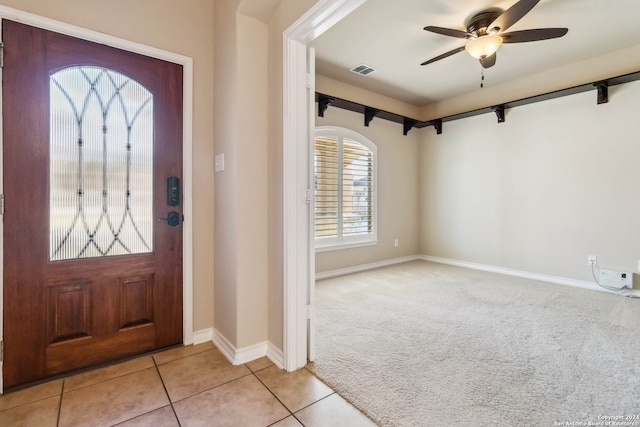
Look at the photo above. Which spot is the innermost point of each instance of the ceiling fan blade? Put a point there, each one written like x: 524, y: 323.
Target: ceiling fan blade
x: 533, y: 35
x: 511, y: 16
x: 489, y: 61
x: 448, y: 32
x: 444, y: 55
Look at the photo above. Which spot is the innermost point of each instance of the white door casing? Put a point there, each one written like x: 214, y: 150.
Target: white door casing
x: 311, y: 304
x: 298, y: 250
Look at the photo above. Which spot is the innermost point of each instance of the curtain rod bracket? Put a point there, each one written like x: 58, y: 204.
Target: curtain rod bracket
x: 408, y: 124
x: 369, y: 114
x: 499, y: 110
x: 437, y: 124
x: 323, y: 103
x: 603, y: 91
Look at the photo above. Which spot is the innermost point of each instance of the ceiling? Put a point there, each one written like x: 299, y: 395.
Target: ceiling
x: 389, y: 36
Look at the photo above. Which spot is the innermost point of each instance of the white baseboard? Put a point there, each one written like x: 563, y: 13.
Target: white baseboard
x: 517, y: 273
x: 202, y: 336
x: 242, y: 355
x: 364, y: 267
x: 225, y: 347
x: 275, y: 355
x: 238, y: 356
x: 253, y: 352
x: 475, y: 266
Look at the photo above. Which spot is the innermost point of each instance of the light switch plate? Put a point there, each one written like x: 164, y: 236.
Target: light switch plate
x: 219, y: 162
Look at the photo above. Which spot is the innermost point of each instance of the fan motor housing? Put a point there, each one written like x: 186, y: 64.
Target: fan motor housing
x: 479, y: 23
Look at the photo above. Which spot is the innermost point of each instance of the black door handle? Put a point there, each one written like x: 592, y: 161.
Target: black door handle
x: 173, y: 218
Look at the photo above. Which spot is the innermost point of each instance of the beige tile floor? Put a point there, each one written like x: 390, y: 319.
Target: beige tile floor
x: 186, y: 386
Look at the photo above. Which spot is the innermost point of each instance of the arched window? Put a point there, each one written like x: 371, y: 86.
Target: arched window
x: 345, y: 188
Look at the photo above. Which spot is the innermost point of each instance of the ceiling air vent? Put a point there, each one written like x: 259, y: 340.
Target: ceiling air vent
x: 363, y: 69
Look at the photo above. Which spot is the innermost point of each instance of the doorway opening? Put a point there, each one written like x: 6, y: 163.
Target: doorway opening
x: 298, y: 125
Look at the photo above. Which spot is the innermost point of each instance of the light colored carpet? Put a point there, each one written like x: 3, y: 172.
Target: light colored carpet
x: 424, y: 344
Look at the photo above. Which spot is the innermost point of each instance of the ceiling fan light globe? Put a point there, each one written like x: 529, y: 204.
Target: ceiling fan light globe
x: 483, y: 46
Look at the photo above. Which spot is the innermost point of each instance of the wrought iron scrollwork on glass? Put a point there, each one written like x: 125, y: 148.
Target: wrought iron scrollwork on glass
x: 101, y: 164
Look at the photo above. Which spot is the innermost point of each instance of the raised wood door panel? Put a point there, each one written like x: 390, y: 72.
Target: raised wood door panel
x: 98, y: 310
x: 68, y: 314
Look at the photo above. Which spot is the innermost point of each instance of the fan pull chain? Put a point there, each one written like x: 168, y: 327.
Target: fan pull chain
x: 481, y: 77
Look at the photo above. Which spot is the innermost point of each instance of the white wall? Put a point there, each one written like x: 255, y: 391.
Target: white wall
x: 554, y: 183
x: 397, y: 192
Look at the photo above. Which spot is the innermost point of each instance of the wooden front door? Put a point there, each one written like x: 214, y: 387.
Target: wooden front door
x: 92, y: 224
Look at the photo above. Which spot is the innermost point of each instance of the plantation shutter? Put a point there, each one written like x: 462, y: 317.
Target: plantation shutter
x: 344, y: 190
x: 357, y: 184
x: 326, y: 162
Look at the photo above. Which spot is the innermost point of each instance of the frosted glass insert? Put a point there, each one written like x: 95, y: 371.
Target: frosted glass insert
x: 101, y: 164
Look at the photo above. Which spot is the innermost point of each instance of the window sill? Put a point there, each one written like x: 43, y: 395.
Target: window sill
x: 340, y: 246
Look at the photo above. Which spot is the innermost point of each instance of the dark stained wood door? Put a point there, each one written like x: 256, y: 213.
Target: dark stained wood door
x: 65, y: 314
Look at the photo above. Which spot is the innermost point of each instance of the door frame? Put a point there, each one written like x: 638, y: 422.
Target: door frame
x: 298, y: 248
x: 187, y: 147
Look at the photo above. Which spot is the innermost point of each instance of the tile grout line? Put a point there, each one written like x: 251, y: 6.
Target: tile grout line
x: 116, y: 363
x: 71, y: 375
x: 317, y: 401
x: 253, y: 372
x: 60, y: 404
x: 166, y: 391
x: 64, y: 378
x: 181, y: 357
x: 29, y: 402
x: 212, y: 387
x: 281, y: 402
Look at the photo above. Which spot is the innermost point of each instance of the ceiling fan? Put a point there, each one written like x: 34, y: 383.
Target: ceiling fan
x: 485, y: 33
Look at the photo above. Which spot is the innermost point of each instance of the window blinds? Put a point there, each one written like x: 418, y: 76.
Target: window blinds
x: 343, y: 184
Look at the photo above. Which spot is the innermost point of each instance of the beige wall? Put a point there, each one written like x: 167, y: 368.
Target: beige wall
x: 241, y: 270
x: 226, y: 123
x: 248, y: 130
x: 252, y: 182
x: 554, y: 183
x: 248, y: 220
x: 397, y: 192
x: 186, y: 28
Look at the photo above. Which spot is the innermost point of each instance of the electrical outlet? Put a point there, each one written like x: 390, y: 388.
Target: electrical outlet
x: 592, y: 260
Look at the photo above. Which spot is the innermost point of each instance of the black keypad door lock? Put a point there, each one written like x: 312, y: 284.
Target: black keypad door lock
x: 173, y: 191
x: 173, y: 218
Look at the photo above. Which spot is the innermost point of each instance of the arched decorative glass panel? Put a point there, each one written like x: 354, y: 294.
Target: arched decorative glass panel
x: 101, y: 164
